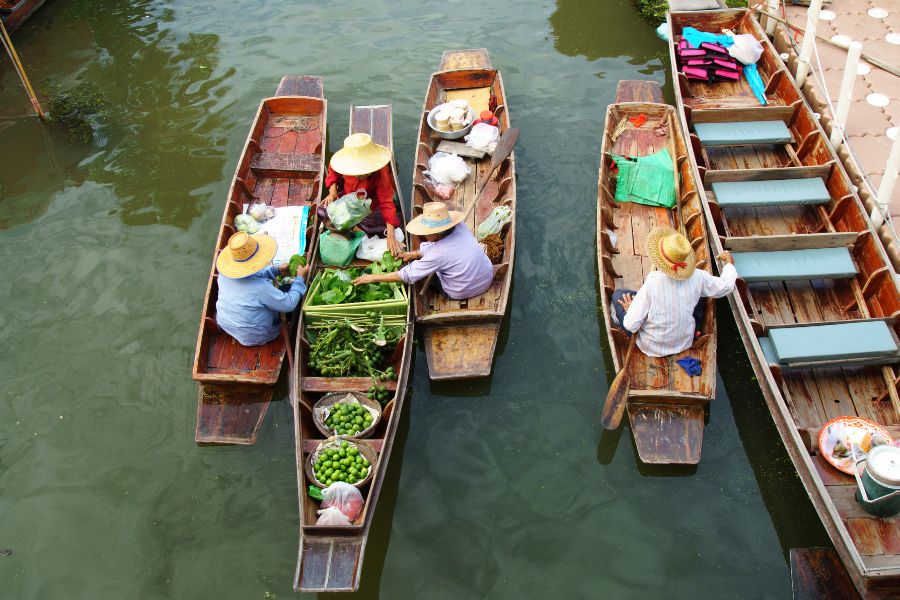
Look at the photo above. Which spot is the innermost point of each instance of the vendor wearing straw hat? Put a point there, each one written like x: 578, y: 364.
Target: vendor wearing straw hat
x: 249, y: 304
x: 450, y: 251
x: 363, y: 164
x: 667, y: 310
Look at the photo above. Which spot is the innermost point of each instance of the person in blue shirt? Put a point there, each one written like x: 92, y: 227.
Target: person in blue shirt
x: 249, y: 305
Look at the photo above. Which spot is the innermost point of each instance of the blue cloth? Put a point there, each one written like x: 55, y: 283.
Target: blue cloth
x: 695, y: 37
x: 692, y: 366
x: 756, y: 83
x: 248, y: 308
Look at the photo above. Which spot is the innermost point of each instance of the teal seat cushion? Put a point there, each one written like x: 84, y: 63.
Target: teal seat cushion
x: 787, y: 265
x: 742, y: 132
x: 772, y: 192
x: 816, y: 343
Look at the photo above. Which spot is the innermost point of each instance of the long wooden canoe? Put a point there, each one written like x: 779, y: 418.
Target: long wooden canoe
x: 807, y: 256
x: 281, y: 164
x: 330, y: 558
x: 665, y: 405
x: 15, y: 12
x: 461, y: 335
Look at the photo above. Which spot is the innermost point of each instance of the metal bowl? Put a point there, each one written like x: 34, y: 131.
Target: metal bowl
x: 449, y: 135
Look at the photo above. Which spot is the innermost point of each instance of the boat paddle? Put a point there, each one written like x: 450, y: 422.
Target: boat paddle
x: 618, y: 392
x: 501, y: 152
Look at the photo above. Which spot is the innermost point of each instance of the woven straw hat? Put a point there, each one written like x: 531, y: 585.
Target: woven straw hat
x: 671, y: 253
x: 360, y: 156
x: 245, y: 254
x: 435, y: 218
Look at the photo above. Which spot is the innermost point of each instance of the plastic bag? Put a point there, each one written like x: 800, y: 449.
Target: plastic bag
x: 746, y: 49
x: 261, y: 212
x: 332, y: 516
x: 374, y: 247
x: 345, y: 497
x: 448, y: 169
x: 500, y: 216
x: 483, y: 137
x: 349, y: 209
x: 338, y: 250
x: 246, y: 223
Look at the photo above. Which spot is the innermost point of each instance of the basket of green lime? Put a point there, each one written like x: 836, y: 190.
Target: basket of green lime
x: 339, y: 459
x: 346, y: 413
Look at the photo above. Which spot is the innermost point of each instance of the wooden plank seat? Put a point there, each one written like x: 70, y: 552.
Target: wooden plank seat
x: 789, y: 265
x: 771, y: 192
x: 282, y: 163
x: 743, y: 133
x: 865, y: 341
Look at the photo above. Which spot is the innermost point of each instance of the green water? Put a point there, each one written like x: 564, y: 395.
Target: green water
x: 501, y: 488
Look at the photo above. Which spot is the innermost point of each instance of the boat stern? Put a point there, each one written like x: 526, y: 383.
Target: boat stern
x: 463, y: 351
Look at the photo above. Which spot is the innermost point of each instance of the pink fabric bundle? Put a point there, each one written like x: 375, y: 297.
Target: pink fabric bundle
x: 709, y: 62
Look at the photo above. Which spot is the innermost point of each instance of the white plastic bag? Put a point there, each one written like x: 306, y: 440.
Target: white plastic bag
x: 483, y: 137
x: 261, y: 212
x: 745, y: 48
x: 374, y: 247
x: 500, y: 216
x: 344, y: 497
x: 332, y: 516
x: 246, y: 223
x: 447, y: 169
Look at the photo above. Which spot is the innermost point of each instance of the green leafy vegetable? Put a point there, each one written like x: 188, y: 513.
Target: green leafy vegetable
x: 296, y: 262
x: 348, y: 348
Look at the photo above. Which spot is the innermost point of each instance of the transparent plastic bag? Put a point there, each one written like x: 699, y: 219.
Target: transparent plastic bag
x: 246, y: 223
x: 483, y: 137
x: 349, y: 209
x: 345, y: 497
x: 745, y: 48
x: 447, y: 169
x: 332, y: 516
x: 374, y: 247
x: 500, y: 216
x: 261, y: 212
x: 338, y: 250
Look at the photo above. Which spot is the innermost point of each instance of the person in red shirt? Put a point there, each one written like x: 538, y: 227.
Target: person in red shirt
x: 363, y: 164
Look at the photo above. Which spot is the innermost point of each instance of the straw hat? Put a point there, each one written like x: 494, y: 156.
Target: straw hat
x: 245, y: 254
x: 671, y: 253
x: 359, y: 156
x: 435, y: 218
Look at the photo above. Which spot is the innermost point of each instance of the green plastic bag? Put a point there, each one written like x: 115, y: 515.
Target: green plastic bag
x: 336, y: 249
x: 646, y: 180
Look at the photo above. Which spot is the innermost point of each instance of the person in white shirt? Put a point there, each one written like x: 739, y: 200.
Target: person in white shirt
x: 668, y: 310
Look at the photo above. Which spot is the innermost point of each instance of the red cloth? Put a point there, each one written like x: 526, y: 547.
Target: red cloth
x: 378, y: 187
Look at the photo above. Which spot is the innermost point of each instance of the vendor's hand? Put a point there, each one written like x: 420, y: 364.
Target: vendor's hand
x: 302, y: 271
x: 365, y: 279
x: 726, y: 257
x: 283, y: 268
x: 408, y: 256
x: 393, y: 245
x: 331, y: 197
x: 625, y: 301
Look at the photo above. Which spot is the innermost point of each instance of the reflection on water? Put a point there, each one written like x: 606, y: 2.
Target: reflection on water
x: 501, y: 488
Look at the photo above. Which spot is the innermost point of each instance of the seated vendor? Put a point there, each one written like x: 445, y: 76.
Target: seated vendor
x: 450, y: 251
x: 249, y: 305
x: 668, y: 310
x: 364, y: 165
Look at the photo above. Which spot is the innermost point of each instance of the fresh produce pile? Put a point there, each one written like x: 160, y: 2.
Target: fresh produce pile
x: 379, y: 392
x: 348, y: 418
x: 336, y: 287
x: 296, y: 262
x: 356, y: 347
x: 344, y: 463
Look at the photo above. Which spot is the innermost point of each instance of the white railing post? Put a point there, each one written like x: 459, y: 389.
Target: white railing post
x: 888, y: 182
x: 809, y: 41
x: 846, y: 95
x: 773, y: 10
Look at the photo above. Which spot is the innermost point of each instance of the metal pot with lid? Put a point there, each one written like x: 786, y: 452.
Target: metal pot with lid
x: 879, y: 484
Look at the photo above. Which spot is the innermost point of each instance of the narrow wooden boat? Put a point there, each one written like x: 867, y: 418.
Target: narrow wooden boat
x: 818, y: 301
x: 281, y: 164
x: 665, y: 405
x: 16, y: 12
x: 330, y: 558
x: 461, y: 336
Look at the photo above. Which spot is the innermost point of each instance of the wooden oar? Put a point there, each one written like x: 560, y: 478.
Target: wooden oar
x: 501, y: 152
x: 618, y: 392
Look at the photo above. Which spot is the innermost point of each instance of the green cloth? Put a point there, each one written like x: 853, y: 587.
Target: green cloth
x: 646, y: 180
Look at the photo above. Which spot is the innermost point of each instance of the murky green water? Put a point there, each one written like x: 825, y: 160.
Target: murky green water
x: 502, y: 488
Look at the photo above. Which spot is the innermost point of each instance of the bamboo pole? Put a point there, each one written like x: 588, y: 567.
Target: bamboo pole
x: 846, y: 95
x: 809, y: 40
x: 20, y: 71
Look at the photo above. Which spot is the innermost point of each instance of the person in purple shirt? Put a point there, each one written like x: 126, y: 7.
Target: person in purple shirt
x: 249, y: 305
x: 450, y: 252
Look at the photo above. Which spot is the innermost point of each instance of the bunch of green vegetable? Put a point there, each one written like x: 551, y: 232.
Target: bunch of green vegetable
x: 336, y: 287
x: 353, y: 348
x: 348, y: 418
x: 295, y: 263
x: 378, y: 391
x: 342, y: 464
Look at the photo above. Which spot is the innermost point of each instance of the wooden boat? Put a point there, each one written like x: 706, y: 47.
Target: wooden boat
x: 330, y: 558
x: 281, y: 164
x: 813, y: 272
x: 665, y: 405
x: 461, y: 336
x: 15, y: 12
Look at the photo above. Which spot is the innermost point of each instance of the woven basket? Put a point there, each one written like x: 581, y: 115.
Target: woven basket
x: 334, y: 442
x: 329, y: 400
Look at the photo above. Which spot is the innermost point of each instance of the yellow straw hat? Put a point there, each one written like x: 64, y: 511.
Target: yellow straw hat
x: 671, y: 253
x: 435, y: 218
x: 360, y: 156
x: 245, y: 254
